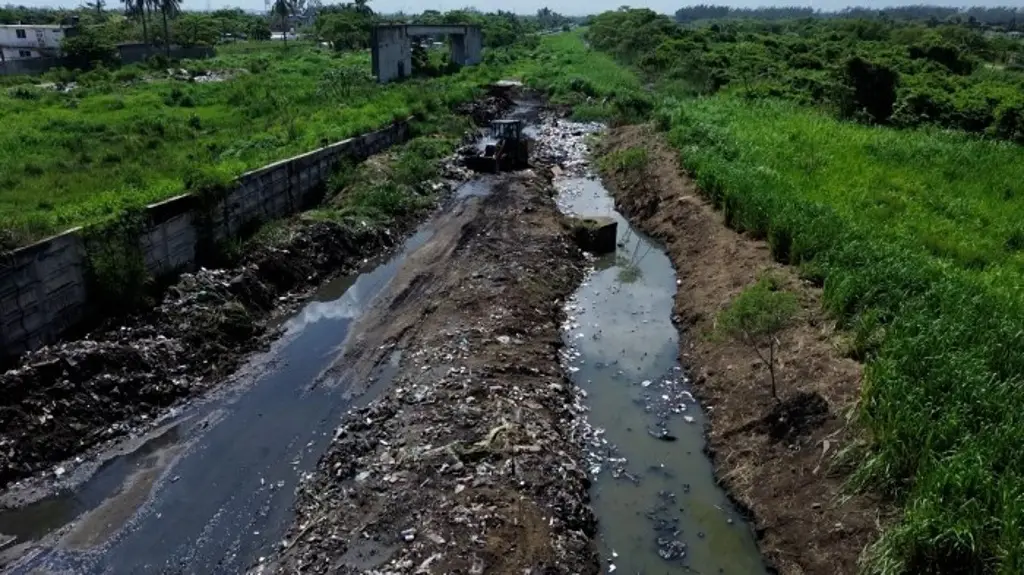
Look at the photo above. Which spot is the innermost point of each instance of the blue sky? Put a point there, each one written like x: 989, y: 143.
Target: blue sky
x: 568, y: 6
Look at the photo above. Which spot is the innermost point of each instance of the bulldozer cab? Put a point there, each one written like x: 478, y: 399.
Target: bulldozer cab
x: 511, y: 130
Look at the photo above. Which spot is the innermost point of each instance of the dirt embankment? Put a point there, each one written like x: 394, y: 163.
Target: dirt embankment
x: 776, y: 460
x: 466, y: 464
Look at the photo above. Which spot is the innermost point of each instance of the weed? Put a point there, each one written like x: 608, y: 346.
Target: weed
x: 115, y: 268
x: 756, y: 317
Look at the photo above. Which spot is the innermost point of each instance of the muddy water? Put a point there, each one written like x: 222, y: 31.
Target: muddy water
x: 212, y: 490
x: 658, y: 506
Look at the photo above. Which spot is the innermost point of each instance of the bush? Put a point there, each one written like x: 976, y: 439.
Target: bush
x: 756, y: 317
x: 87, y: 48
x: 868, y: 90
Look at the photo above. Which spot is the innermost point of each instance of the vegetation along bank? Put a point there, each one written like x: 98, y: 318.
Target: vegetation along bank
x: 880, y: 160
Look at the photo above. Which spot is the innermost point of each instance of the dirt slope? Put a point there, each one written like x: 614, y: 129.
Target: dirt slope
x: 781, y: 473
x: 466, y: 464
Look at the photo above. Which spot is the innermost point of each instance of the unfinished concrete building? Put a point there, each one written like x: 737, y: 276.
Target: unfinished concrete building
x: 391, y: 47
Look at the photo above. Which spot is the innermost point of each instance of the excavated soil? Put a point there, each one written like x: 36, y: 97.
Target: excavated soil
x: 65, y: 398
x: 774, y: 459
x: 466, y: 464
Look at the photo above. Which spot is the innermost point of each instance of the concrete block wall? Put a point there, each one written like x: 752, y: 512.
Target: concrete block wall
x: 43, y: 289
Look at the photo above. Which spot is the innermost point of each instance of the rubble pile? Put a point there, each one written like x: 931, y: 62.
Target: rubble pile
x: 469, y: 462
x: 67, y: 397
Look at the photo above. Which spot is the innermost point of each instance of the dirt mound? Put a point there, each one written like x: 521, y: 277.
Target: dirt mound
x: 775, y: 458
x: 65, y: 398
x: 466, y: 464
x: 493, y: 106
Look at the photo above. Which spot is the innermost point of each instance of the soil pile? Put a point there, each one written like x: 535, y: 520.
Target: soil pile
x: 497, y: 102
x: 466, y: 464
x: 776, y: 458
x: 63, y: 399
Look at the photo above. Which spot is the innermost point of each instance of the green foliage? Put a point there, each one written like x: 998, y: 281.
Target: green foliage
x: 916, y: 235
x: 344, y: 27
x: 115, y: 268
x: 756, y: 316
x: 380, y: 192
x: 82, y: 156
x: 870, y: 69
x: 195, y: 29
x: 87, y: 49
x: 868, y: 91
x: 588, y: 81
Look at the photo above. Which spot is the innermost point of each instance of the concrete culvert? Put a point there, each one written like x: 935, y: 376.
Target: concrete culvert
x: 595, y: 234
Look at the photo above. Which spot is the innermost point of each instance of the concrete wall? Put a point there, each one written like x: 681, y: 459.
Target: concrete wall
x: 29, y: 66
x: 129, y: 54
x: 390, y: 53
x: 138, y: 52
x: 391, y: 47
x: 43, y: 287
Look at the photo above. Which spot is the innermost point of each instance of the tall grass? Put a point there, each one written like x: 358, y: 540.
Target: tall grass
x: 916, y: 235
x: 78, y: 157
x: 590, y: 81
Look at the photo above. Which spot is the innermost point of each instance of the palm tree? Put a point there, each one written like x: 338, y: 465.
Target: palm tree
x: 168, y: 9
x: 282, y: 10
x: 138, y: 8
x: 362, y: 7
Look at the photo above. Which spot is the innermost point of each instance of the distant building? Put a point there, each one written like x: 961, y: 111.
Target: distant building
x: 24, y: 41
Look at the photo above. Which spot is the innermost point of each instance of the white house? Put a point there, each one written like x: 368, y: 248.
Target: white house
x: 20, y: 41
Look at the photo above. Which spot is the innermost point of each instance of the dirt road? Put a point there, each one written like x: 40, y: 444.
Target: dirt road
x: 466, y: 464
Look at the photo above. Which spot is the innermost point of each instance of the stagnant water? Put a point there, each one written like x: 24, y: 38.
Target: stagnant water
x: 212, y: 490
x: 659, y: 508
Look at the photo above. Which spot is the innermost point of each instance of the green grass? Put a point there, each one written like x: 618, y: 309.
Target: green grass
x: 917, y: 235
x: 80, y: 157
x: 590, y: 81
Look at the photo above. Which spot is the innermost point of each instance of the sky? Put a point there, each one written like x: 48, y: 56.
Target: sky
x: 569, y: 7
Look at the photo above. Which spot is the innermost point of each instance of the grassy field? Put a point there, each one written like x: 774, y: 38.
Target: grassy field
x: 127, y: 138
x: 592, y: 82
x: 917, y: 236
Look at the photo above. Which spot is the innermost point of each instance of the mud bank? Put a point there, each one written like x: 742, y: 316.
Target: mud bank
x: 66, y: 399
x: 777, y: 461
x: 466, y: 463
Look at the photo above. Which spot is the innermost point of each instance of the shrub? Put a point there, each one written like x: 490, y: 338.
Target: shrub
x: 868, y: 89
x: 88, y: 48
x: 756, y: 317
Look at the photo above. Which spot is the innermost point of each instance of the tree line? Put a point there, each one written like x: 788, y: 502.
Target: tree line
x: 1008, y: 18
x: 902, y: 74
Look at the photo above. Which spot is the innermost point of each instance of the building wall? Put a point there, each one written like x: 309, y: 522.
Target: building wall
x: 391, y: 53
x: 45, y: 38
x: 20, y: 53
x: 43, y: 288
x: 391, y: 47
x: 28, y: 66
